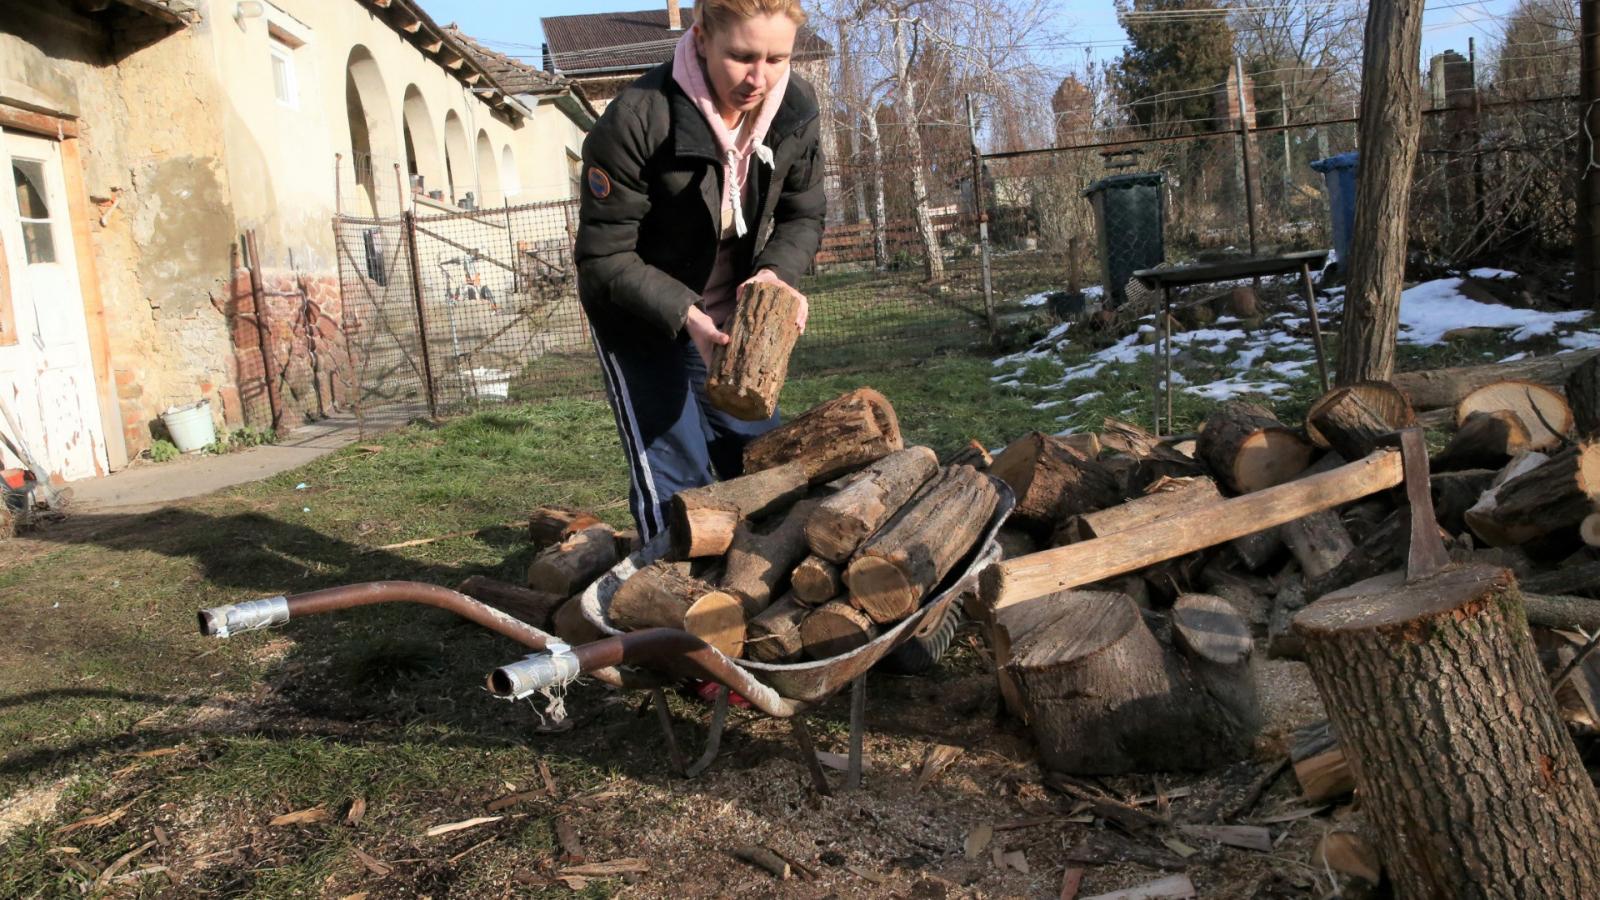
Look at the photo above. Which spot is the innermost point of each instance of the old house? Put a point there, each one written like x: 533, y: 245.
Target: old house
x: 147, y: 138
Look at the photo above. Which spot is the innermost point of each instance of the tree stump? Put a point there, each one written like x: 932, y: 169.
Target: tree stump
x: 661, y: 596
x: 1352, y: 419
x: 1214, y: 639
x: 1454, y: 738
x: 1052, y: 480
x: 831, y: 438
x: 1545, y: 415
x: 747, y: 373
x: 835, y: 628
x: 568, y: 567
x: 774, y: 635
x: 875, y: 494
x: 898, y: 567
x: 1486, y: 440
x: 815, y: 581
x: 705, y: 518
x: 758, y: 562
x: 1583, y: 396
x: 1557, y: 494
x: 1246, y: 447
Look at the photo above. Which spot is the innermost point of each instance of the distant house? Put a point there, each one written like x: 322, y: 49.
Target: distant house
x: 146, y: 137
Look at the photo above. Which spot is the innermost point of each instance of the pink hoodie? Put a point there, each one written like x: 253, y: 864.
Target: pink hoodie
x: 688, y: 71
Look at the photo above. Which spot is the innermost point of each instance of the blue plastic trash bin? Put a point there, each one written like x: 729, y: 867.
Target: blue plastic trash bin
x: 1339, y: 180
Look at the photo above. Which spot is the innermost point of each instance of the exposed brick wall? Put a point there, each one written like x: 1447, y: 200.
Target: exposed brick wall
x: 306, y: 346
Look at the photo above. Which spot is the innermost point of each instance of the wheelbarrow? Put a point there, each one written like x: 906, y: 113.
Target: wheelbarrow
x: 653, y: 658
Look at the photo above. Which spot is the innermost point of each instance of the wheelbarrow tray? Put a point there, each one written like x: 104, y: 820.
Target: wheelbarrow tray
x: 813, y: 681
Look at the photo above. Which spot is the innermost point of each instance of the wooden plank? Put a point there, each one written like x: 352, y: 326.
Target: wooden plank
x: 1046, y: 572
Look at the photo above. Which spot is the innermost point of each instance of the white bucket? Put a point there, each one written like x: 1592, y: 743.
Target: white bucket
x: 190, y: 426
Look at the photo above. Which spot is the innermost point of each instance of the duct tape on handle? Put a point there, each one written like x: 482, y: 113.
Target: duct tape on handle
x: 558, y: 665
x: 252, y: 615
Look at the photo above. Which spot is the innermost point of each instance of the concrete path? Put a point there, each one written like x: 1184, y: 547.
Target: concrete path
x: 148, y: 485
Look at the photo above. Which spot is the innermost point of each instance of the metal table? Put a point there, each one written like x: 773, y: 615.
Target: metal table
x: 1167, y: 278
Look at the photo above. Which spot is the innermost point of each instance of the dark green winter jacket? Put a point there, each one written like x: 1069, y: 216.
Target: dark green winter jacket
x: 652, y: 186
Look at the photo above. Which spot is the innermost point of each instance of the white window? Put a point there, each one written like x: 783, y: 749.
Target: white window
x: 284, y: 86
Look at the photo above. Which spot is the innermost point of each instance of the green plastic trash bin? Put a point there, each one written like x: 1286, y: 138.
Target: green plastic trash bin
x: 1130, y: 215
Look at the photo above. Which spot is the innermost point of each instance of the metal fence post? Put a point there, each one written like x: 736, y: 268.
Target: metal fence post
x: 1244, y: 150
x: 983, y: 222
x: 410, y: 223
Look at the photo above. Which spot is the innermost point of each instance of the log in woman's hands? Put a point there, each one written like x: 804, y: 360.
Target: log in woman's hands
x: 770, y: 277
x: 704, y: 333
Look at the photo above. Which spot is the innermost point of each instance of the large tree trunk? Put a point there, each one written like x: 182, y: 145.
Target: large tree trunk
x: 831, y: 438
x: 1246, y: 446
x: 912, y: 129
x: 704, y: 518
x: 848, y: 517
x: 1390, y: 129
x: 662, y: 596
x: 899, y: 566
x: 1052, y: 480
x: 747, y: 373
x: 1474, y: 794
x: 1444, y: 388
x: 759, y: 561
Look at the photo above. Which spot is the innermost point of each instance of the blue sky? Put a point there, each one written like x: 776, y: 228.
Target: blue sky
x: 1446, y: 25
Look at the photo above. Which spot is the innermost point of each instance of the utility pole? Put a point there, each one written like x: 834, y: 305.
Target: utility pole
x: 1587, y: 231
x: 1244, y: 150
x: 983, y: 218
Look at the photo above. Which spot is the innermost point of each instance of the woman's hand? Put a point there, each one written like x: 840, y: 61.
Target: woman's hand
x: 703, y: 332
x: 770, y: 277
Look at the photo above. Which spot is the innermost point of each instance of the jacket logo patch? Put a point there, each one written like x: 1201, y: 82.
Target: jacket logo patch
x: 599, y: 183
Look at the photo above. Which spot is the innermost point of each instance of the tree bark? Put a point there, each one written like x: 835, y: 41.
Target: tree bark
x: 1473, y: 796
x: 1051, y: 480
x: 1579, y: 578
x: 747, y: 373
x: 912, y: 129
x: 533, y: 607
x: 1543, y: 412
x: 900, y: 565
x: 1486, y: 440
x: 569, y: 566
x: 831, y: 438
x: 662, y: 596
x: 704, y: 518
x: 774, y: 635
x: 758, y: 562
x: 1583, y: 395
x: 835, y: 628
x: 549, y: 524
x: 1352, y: 419
x: 848, y: 517
x: 1555, y: 495
x: 1318, y: 541
x: 1390, y: 129
x: 1171, y: 497
x: 1444, y: 388
x: 815, y: 581
x: 1248, y: 449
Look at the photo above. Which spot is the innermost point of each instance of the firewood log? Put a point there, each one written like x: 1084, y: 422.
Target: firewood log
x: 1384, y: 550
x: 1352, y: 419
x: 1444, y: 388
x: 1257, y: 551
x: 835, y: 628
x: 1583, y: 395
x: 831, y: 438
x: 661, y: 596
x: 1557, y: 494
x: 533, y: 607
x: 1319, y: 542
x: 759, y: 561
x: 1282, y: 641
x: 898, y: 567
x: 1456, y: 492
x: 704, y: 518
x: 973, y: 454
x: 774, y: 635
x: 1589, y: 529
x: 1486, y: 440
x: 1248, y: 449
x: 1573, y: 577
x: 815, y: 581
x: 550, y: 524
x: 1543, y: 412
x: 570, y: 624
x: 1051, y: 480
x: 1165, y: 499
x: 847, y: 518
x: 1215, y: 640
x: 1319, y: 764
x: 747, y: 373
x: 568, y: 567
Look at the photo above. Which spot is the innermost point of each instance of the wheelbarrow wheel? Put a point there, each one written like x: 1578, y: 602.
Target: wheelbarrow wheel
x: 921, y: 653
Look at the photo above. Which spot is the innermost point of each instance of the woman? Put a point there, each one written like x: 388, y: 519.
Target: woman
x: 702, y: 175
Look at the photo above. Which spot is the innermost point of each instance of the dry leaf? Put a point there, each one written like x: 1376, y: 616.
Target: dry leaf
x: 624, y: 866
x: 977, y: 840
x: 301, y: 817
x: 568, y: 838
x: 374, y: 865
x: 936, y: 760
x: 1016, y: 860
x: 574, y: 882
x: 1249, y: 837
x: 356, y: 812
x: 371, y: 448
x: 437, y: 830
x: 360, y: 896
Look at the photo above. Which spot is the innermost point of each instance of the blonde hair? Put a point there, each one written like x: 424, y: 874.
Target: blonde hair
x: 713, y: 15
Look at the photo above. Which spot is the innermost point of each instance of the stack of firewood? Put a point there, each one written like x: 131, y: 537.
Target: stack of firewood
x: 835, y: 531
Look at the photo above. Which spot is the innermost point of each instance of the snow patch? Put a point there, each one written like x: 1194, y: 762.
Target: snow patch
x: 1432, y: 308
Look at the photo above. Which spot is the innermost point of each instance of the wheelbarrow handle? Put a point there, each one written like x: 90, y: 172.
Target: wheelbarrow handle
x: 535, y: 672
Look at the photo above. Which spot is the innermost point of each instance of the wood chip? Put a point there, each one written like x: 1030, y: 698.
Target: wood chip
x: 94, y: 821
x: 301, y: 817
x: 160, y: 834
x: 1248, y: 837
x: 1179, y: 847
x: 374, y: 865
x: 839, y: 762
x: 1293, y: 815
x: 111, y: 871
x: 1174, y: 794
x: 573, y: 882
x: 624, y: 866
x: 596, y: 799
x: 152, y: 754
x: 567, y: 836
x: 760, y: 856
x: 978, y: 840
x: 1071, y: 880
x: 463, y: 825
x: 549, y: 780
x: 1176, y: 887
x: 1032, y: 823
x: 510, y: 800
x: 137, y: 874
x: 1015, y: 860
x: 936, y: 760
x: 356, y: 812
x: 872, y: 875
